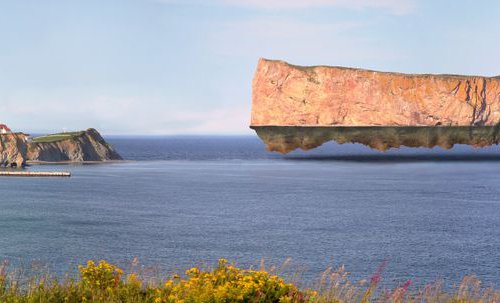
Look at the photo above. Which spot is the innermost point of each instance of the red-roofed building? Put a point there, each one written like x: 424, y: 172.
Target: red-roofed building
x: 4, y: 129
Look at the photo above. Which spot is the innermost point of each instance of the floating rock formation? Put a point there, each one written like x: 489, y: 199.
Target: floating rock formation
x: 16, y: 150
x: 339, y: 99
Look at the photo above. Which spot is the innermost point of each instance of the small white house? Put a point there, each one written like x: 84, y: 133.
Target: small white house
x: 4, y: 129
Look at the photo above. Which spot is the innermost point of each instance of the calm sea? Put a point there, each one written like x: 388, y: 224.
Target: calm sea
x: 183, y: 201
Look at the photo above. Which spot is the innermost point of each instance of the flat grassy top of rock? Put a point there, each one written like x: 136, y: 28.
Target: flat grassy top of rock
x: 57, y: 137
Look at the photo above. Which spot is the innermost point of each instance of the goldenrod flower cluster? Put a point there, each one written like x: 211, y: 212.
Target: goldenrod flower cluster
x: 227, y: 283
x: 102, y: 275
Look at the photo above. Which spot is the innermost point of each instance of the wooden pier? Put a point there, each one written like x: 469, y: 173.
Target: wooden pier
x: 33, y: 174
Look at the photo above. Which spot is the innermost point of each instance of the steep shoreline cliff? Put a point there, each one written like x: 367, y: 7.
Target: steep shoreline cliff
x: 13, y: 148
x: 85, y: 146
x: 17, y: 150
x: 303, y: 107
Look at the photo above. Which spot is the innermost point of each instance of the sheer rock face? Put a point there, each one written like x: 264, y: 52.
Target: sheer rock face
x: 12, y: 150
x: 288, y: 95
x: 16, y: 150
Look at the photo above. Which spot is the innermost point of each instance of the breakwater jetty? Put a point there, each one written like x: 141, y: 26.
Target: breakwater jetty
x: 33, y: 174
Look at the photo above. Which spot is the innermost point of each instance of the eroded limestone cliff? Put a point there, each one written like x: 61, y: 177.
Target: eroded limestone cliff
x: 16, y: 150
x: 286, y: 95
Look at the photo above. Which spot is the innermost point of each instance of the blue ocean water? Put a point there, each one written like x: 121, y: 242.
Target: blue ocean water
x: 182, y: 201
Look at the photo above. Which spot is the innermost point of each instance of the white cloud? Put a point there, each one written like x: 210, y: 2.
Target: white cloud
x: 397, y: 7
x: 394, y: 6
x: 121, y: 115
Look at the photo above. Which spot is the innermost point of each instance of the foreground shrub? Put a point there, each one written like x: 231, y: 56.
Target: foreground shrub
x: 104, y: 282
x: 102, y: 276
x: 227, y: 283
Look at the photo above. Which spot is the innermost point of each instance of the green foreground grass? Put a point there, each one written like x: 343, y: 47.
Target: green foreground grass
x: 104, y: 282
x: 57, y: 137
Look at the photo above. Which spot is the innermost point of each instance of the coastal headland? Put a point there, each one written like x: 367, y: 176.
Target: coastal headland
x: 18, y: 149
x: 303, y: 107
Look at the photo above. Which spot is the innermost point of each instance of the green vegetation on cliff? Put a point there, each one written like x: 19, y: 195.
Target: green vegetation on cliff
x: 57, y: 137
x: 104, y: 282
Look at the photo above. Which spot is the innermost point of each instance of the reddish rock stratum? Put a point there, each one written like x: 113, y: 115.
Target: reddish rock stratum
x: 289, y: 95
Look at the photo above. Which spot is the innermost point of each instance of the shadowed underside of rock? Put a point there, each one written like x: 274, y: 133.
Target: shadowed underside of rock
x: 285, y: 139
x: 322, y: 97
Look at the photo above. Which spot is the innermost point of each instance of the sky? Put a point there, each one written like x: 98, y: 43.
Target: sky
x: 160, y: 67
